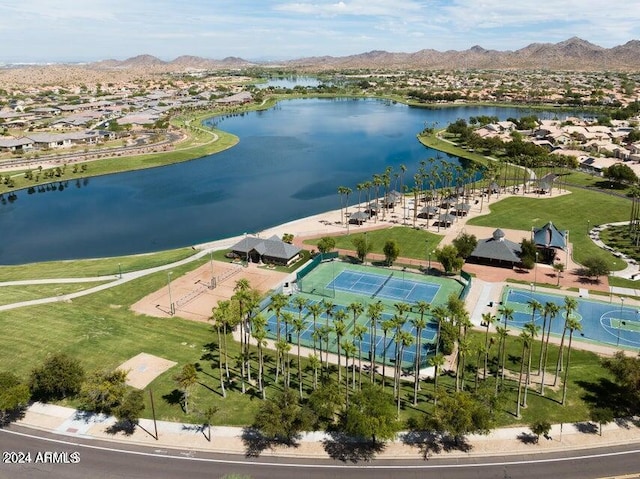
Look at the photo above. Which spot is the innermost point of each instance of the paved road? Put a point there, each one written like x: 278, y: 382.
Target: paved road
x: 101, y: 459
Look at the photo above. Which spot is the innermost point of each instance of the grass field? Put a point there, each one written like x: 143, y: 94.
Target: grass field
x: 16, y: 294
x: 568, y: 212
x: 413, y: 243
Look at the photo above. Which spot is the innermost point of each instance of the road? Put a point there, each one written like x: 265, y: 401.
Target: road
x: 102, y: 459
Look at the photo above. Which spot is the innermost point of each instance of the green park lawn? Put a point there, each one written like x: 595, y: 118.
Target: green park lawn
x: 413, y: 243
x: 573, y: 212
x: 16, y: 294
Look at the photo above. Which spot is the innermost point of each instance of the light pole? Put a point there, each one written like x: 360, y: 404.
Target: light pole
x: 620, y: 321
x: 532, y: 289
x: 246, y: 245
x: 211, y: 263
x: 171, y: 310
x: 588, y: 226
x: 364, y: 257
x: 120, y: 270
x: 535, y: 271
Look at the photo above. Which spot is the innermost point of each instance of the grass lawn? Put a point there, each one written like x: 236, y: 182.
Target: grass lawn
x: 619, y: 238
x: 413, y: 243
x: 92, y: 267
x: 16, y: 294
x: 570, y: 212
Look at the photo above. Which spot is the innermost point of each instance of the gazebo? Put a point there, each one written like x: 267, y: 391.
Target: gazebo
x: 358, y: 217
x: 549, y: 239
x: 462, y: 209
x: 428, y: 212
x: 445, y: 220
x: 496, y: 251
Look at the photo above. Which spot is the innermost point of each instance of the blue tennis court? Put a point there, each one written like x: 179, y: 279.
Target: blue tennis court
x: 394, y: 286
x: 610, y: 322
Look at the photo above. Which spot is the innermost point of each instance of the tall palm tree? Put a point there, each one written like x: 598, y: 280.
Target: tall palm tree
x: 278, y: 302
x: 358, y: 334
x: 374, y: 311
x: 283, y: 348
x: 219, y: 317
x: 437, y: 362
x: 299, y: 326
x: 572, y: 325
x: 440, y: 314
x: 258, y: 324
x: 386, y: 327
x: 403, y: 340
x: 552, y: 310
x: 507, y: 315
x: 570, y: 305
x: 487, y: 320
x: 526, y: 342
x: 315, y: 309
x: 463, y: 351
x: 328, y: 310
x: 349, y: 351
x: 418, y: 323
x: 398, y: 322
x: 315, y: 364
x: 325, y: 331
x: 356, y: 309
x: 340, y: 329
x: 532, y: 330
x: 502, y: 335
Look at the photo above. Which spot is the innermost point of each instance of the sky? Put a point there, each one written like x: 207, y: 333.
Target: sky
x: 90, y: 30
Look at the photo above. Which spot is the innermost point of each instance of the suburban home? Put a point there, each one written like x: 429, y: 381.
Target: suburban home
x: 15, y: 144
x: 49, y: 140
x: 237, y: 99
x: 496, y: 251
x: 271, y: 250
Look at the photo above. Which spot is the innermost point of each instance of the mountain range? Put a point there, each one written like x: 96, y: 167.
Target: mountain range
x: 572, y: 54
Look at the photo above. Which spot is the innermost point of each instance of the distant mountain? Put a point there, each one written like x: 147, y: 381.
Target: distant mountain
x: 572, y: 54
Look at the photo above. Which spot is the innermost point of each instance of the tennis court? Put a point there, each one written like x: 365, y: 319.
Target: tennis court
x: 608, y: 322
x: 383, y: 286
x: 335, y: 285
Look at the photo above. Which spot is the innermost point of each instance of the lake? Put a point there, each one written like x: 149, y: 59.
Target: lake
x: 289, y: 163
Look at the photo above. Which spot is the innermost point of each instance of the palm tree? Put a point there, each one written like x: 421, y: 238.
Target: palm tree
x: 386, y: 327
x: 532, y: 330
x: 341, y: 192
x: 299, y: 326
x: 260, y: 335
x: 356, y: 309
x: 437, y: 362
x: 325, y: 331
x: 507, y: 315
x: 339, y: 328
x: 349, y: 351
x: 186, y: 379
x: 572, y: 325
x: 398, y: 322
x: 502, y: 335
x: 440, y: 314
x: 374, y: 311
x: 551, y: 309
x: 287, y: 319
x: 328, y: 310
x: 242, y: 296
x: 535, y: 307
x: 526, y: 342
x: 220, y: 317
x: 570, y: 305
x: 278, y: 301
x: 316, y: 310
x: 487, y: 320
x: 358, y: 334
x: 418, y: 323
x: 403, y: 340
x: 283, y: 348
x: 463, y: 351
x: 315, y: 364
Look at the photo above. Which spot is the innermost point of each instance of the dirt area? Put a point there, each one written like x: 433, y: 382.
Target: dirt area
x: 144, y: 368
x: 192, y: 297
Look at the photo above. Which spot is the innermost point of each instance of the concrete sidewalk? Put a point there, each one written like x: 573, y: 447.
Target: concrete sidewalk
x: 192, y: 437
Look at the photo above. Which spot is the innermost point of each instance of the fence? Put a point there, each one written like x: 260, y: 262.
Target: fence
x: 466, y: 280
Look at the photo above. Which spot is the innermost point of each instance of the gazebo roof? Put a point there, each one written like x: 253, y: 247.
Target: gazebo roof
x: 550, y: 237
x: 497, y: 248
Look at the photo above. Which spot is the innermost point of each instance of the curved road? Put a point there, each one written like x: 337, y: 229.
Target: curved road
x: 102, y: 459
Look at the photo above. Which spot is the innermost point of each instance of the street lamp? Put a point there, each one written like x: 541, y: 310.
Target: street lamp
x: 211, y: 263
x: 120, y: 270
x: 532, y: 288
x: 535, y: 271
x: 429, y: 270
x: 620, y: 321
x: 171, y: 310
x: 588, y: 226
x: 364, y: 257
x: 246, y: 245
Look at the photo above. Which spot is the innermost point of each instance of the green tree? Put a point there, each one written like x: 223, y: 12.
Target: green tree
x: 104, y: 391
x: 326, y: 244
x: 283, y: 417
x: 371, y: 414
x: 459, y: 414
x: 595, y: 267
x: 325, y: 401
x: 207, y: 416
x: 59, y: 376
x: 601, y: 415
x: 620, y: 173
x: 465, y: 243
x: 186, y: 379
x: 363, y: 247
x: 448, y: 257
x: 540, y: 428
x: 436, y: 362
x: 528, y: 253
x: 131, y: 407
x: 14, y: 394
x: 626, y: 371
x: 391, y: 251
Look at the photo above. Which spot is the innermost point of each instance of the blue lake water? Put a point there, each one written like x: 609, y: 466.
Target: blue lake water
x: 289, y: 163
